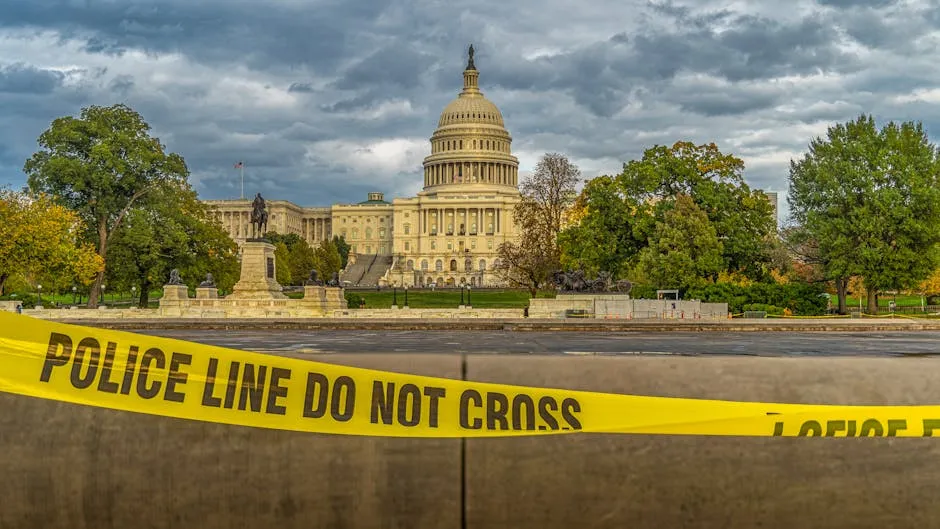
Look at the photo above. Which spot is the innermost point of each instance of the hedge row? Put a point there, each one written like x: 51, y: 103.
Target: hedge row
x: 801, y: 298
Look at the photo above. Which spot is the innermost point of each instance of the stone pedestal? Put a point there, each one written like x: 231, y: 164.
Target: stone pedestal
x: 207, y: 293
x: 258, y: 273
x: 326, y: 298
x: 174, y: 293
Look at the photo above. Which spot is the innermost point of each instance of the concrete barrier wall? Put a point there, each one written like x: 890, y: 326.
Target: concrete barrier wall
x: 73, y: 467
x: 76, y: 467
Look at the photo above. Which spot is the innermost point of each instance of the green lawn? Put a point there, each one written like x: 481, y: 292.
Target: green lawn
x: 883, y: 301
x: 427, y: 299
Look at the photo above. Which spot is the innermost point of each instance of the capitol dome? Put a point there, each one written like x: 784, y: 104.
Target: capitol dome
x: 471, y: 146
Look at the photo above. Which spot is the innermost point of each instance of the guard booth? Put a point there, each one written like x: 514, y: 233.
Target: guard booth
x: 667, y: 294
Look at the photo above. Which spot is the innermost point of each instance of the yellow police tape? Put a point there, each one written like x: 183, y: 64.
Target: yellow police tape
x: 174, y: 378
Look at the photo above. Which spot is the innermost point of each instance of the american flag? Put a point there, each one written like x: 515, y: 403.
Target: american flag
x: 239, y: 165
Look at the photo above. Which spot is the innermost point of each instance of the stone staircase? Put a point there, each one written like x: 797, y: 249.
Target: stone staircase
x: 367, y: 270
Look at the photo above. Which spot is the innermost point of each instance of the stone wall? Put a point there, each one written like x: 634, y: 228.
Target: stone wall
x: 79, y: 467
x: 611, y: 306
x: 11, y: 306
x: 401, y: 313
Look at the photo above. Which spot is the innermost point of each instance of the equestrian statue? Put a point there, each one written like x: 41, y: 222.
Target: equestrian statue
x: 259, y: 216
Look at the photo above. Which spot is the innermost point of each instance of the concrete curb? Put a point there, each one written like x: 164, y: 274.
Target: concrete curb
x: 517, y: 325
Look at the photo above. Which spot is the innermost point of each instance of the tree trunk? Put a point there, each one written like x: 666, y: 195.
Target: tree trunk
x: 144, y: 299
x: 872, y: 300
x: 102, y: 251
x: 842, y: 285
x: 3, y: 281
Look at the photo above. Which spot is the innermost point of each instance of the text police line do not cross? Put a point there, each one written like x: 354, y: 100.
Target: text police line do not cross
x: 260, y: 388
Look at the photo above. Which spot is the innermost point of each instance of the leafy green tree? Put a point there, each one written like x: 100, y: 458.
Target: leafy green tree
x: 684, y: 250
x: 621, y: 213
x: 546, y: 196
x: 175, y: 231
x: 282, y: 269
x: 38, y: 241
x: 328, y: 259
x: 870, y: 200
x: 102, y: 165
x: 602, y: 239
x: 742, y: 218
x: 303, y: 259
x: 290, y: 239
x: 343, y: 248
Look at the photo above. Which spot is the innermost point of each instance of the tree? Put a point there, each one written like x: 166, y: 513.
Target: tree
x: 684, y: 250
x: 175, y: 231
x: 621, y: 213
x: 546, y: 195
x: 343, y: 248
x: 38, y: 240
x: 302, y: 259
x: 282, y: 269
x: 743, y: 218
x: 101, y: 165
x: 328, y: 259
x: 871, y: 200
x: 601, y: 236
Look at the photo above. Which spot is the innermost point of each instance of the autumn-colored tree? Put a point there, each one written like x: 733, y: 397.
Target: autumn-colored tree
x: 546, y: 195
x: 621, y: 213
x: 102, y: 165
x: 38, y: 240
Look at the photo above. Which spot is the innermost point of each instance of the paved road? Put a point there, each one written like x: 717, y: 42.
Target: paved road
x: 571, y: 343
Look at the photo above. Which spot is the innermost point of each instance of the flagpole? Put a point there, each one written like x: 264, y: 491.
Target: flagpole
x: 243, y: 179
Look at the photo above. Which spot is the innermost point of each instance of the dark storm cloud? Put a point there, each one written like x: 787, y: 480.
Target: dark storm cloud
x: 849, y: 4
x: 724, y: 102
x: 26, y: 79
x: 326, y: 100
x: 260, y: 35
x: 397, y: 65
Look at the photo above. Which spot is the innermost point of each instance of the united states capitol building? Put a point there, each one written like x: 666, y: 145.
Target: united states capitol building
x: 446, y: 235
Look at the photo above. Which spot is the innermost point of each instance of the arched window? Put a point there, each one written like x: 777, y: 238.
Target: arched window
x: 424, y: 265
x: 410, y: 265
x: 453, y: 265
x: 468, y: 265
x: 439, y: 265
x: 368, y: 233
x: 355, y: 233
x: 482, y: 264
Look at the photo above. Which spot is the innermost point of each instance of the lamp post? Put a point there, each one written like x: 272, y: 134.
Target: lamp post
x: 102, y: 293
x: 39, y: 288
x: 461, y: 296
x: 406, y: 295
x: 74, y: 289
x: 395, y: 296
x: 133, y: 294
x: 468, y: 297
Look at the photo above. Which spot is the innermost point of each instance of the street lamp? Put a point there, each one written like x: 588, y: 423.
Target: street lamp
x: 461, y: 295
x: 395, y: 295
x: 102, y: 292
x: 468, y: 297
x: 74, y: 289
x: 39, y: 288
x: 406, y: 295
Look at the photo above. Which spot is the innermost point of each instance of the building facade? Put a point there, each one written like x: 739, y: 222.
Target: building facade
x: 448, y: 234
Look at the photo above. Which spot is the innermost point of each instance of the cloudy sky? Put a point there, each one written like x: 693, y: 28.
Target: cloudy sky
x: 326, y: 100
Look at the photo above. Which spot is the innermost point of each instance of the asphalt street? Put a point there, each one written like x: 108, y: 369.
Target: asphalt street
x: 571, y: 343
